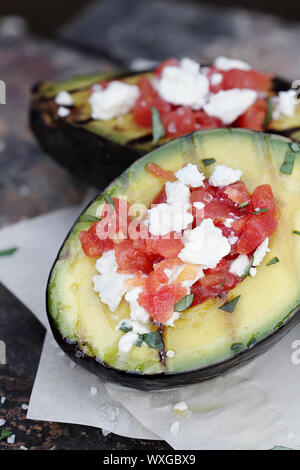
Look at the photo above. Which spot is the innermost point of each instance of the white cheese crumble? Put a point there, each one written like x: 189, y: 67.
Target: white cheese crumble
x: 93, y: 390
x: 284, y: 104
x: 177, y: 194
x: 260, y: 252
x: 216, y: 78
x: 190, y: 175
x: 252, y: 272
x: 127, y: 342
x: 239, y: 266
x: 170, y: 353
x: 228, y: 222
x: 63, y: 98
x: 24, y: 406
x: 136, y: 311
x: 172, y: 319
x: 3, y: 400
x: 232, y: 239
x: 198, y: 205
x: 224, y: 175
x: 189, y: 65
x: 2, y: 422
x: 110, y: 284
x: 11, y: 439
x: 180, y: 406
x: 184, y: 85
x: 115, y: 100
x: 174, y: 428
x: 63, y: 112
x: 23, y: 448
x: 225, y: 63
x: 228, y: 105
x: 204, y: 245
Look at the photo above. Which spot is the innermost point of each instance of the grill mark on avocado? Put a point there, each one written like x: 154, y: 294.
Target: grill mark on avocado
x: 140, y: 140
x: 162, y: 353
x: 284, y: 132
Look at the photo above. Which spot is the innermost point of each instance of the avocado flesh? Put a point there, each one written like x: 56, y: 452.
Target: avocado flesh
x: 203, y: 336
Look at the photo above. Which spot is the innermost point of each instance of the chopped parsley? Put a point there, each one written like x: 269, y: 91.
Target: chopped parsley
x: 236, y: 347
x: 251, y: 341
x: 184, y: 303
x: 158, y: 130
x: 89, y: 218
x: 296, y: 232
x: 125, y: 328
x: 247, y: 272
x: 154, y: 340
x: 208, y: 161
x: 230, y: 306
x: 109, y: 201
x: 260, y: 211
x: 288, y: 163
x: 273, y: 261
x: 8, y: 252
x: 269, y: 112
x: 5, y: 434
x: 244, y: 204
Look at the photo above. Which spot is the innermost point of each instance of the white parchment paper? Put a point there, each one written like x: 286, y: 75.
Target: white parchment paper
x: 253, y: 407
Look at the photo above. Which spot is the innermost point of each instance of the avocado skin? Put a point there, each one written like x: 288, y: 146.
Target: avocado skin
x: 163, y: 381
x: 92, y: 158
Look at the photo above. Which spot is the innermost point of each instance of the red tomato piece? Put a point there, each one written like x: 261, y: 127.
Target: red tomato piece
x: 92, y: 245
x: 204, y: 121
x: 142, y: 114
x: 237, y: 192
x: 160, y: 304
x: 161, y: 197
x: 262, y: 198
x: 255, y: 231
x: 219, y: 210
x: 131, y: 259
x: 146, y: 87
x: 252, y: 79
x: 166, y: 247
x: 158, y: 171
x: 254, y: 117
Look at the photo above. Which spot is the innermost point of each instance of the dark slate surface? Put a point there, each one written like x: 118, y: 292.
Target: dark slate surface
x: 161, y: 28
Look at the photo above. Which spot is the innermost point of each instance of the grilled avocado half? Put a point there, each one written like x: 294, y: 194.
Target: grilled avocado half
x: 98, y: 151
x: 207, y: 341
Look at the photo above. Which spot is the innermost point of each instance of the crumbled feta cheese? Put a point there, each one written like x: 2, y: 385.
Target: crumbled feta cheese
x: 228, y: 105
x: 110, y: 284
x: 3, y: 400
x: 182, y: 86
x: 174, y: 428
x: 232, y: 239
x: 253, y: 272
x: 284, y: 104
x: 189, y: 65
x: 93, y: 390
x: 24, y: 406
x: 260, y: 252
x: 117, y: 99
x: 63, y: 112
x: 2, y: 422
x: 173, y: 319
x: 204, y: 245
x: 199, y: 205
x: 177, y: 194
x: 136, y: 311
x: 228, y: 222
x: 190, y: 175
x: 23, y: 448
x: 63, y: 98
x: 216, y: 79
x: 137, y: 327
x: 164, y: 219
x: 11, y: 439
x: 239, y: 265
x: 223, y: 175
x: 180, y: 406
x: 127, y: 342
x: 225, y: 63
x: 170, y: 353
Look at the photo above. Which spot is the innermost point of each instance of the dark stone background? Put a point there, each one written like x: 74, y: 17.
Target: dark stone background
x: 108, y: 34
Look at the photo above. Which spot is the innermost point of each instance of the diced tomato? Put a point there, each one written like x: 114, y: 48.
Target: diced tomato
x: 142, y: 114
x: 204, y: 121
x: 162, y: 106
x: 204, y: 195
x: 239, y: 224
x: 114, y: 221
x: 262, y: 198
x: 237, y: 192
x: 166, y: 247
x: 219, y: 210
x: 146, y: 87
x: 92, y: 245
x: 165, y: 63
x: 161, y: 197
x: 179, y: 122
x: 255, y: 231
x: 251, y: 79
x: 158, y: 171
x: 160, y: 304
x: 129, y: 258
x: 254, y: 117
x: 220, y: 267
x: 212, y: 280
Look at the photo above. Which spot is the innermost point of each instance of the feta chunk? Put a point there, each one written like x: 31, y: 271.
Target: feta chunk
x: 261, y: 252
x: 170, y: 353
x: 216, y: 79
x: 110, y: 284
x: 63, y: 98
x: 183, y: 86
x: 232, y: 239
x: 127, y: 342
x: 204, y: 245
x: 136, y: 311
x: 228, y: 105
x: 180, y: 406
x: 177, y: 194
x: 284, y: 104
x: 164, y: 219
x: 253, y: 272
x: 239, y: 265
x: 224, y: 175
x: 225, y: 63
x: 63, y: 112
x: 198, y: 205
x: 115, y: 100
x: 228, y: 222
x: 190, y: 175
x: 174, y: 428
x: 189, y: 65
